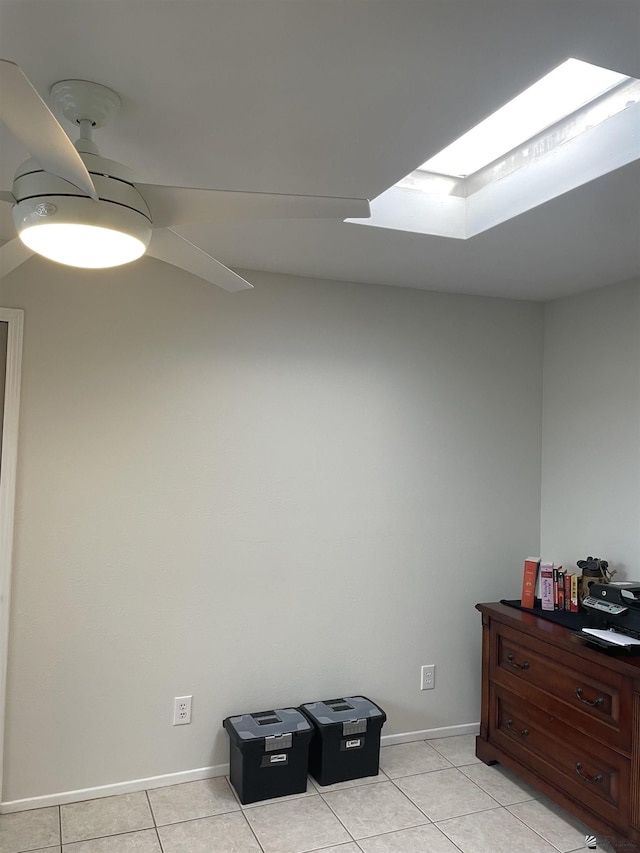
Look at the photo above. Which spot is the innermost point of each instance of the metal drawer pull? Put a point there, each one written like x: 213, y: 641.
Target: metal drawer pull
x: 521, y: 733
x: 597, y: 778
x: 593, y: 704
x: 524, y: 665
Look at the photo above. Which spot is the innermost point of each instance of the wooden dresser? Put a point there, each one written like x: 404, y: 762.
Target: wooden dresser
x: 565, y: 717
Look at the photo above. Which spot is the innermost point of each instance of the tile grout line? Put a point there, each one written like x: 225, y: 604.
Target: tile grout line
x: 242, y: 812
x: 525, y: 824
x: 316, y: 793
x: 252, y: 831
x: 382, y: 781
x: 160, y: 844
x: 99, y: 837
x: 175, y: 822
x: 398, y: 788
x: 151, y: 811
x: 457, y: 817
x: 519, y: 819
x: 394, y: 831
x: 477, y: 811
x: 95, y: 838
x: 328, y: 805
x: 233, y: 791
x: 155, y: 823
x: 239, y: 810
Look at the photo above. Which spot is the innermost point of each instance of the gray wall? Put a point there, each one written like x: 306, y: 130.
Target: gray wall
x: 591, y: 435
x: 261, y: 498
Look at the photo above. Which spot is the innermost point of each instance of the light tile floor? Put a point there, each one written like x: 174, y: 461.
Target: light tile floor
x: 430, y: 797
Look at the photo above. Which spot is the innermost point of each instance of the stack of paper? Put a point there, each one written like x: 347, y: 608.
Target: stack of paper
x: 612, y: 637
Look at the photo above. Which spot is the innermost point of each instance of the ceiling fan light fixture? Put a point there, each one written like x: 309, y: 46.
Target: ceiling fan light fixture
x: 77, y: 245
x: 80, y: 232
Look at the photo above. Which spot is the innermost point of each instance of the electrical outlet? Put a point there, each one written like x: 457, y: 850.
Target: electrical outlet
x: 182, y: 710
x: 428, y: 677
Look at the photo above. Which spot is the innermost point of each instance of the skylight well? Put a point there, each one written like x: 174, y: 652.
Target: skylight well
x: 574, y: 125
x: 556, y: 96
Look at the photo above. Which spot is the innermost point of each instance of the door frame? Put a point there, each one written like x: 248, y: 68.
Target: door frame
x: 14, y: 317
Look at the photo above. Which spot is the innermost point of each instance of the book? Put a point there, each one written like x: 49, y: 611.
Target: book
x: 546, y: 586
x: 560, y: 594
x: 575, y: 601
x: 567, y: 591
x: 529, y: 580
x: 555, y: 587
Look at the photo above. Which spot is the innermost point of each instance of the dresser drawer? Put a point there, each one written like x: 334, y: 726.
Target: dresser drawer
x: 579, y: 766
x: 563, y: 686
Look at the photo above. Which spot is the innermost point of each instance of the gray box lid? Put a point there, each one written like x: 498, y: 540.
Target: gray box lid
x: 263, y: 724
x: 344, y: 710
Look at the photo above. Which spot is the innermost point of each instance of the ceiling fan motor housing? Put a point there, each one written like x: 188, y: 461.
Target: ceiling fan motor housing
x: 43, y: 198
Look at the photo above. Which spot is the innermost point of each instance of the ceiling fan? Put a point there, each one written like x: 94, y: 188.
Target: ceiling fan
x: 73, y: 206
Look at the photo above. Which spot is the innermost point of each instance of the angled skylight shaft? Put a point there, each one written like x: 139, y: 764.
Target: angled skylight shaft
x: 558, y: 94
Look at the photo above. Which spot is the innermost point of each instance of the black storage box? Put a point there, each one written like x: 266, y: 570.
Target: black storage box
x: 346, y: 738
x: 268, y: 753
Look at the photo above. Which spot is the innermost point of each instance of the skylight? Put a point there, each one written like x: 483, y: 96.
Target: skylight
x: 554, y: 97
x: 574, y: 125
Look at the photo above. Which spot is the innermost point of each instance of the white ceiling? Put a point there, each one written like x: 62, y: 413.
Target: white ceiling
x: 340, y: 97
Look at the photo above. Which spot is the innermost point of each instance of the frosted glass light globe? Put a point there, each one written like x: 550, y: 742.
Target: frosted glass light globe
x: 78, y: 245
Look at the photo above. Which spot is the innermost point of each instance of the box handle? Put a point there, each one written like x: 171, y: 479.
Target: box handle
x: 276, y: 743
x: 354, y: 727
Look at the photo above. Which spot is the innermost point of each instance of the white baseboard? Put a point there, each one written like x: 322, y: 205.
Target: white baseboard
x: 131, y: 787
x: 431, y: 734
x: 66, y: 797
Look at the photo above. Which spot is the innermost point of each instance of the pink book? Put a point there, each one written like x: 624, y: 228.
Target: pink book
x: 546, y: 586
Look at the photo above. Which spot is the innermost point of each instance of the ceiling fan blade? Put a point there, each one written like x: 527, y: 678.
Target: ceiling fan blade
x: 173, y: 249
x: 182, y: 205
x: 12, y: 254
x: 32, y: 122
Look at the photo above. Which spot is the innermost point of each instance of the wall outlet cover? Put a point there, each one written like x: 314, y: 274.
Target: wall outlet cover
x: 182, y: 710
x: 428, y: 677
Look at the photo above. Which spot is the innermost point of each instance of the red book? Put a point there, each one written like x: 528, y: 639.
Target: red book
x: 567, y: 591
x: 560, y: 589
x: 529, y: 578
